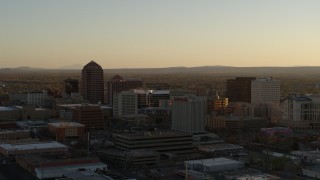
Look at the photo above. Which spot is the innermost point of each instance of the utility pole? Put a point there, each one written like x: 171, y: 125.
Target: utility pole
x: 88, y: 144
x: 186, y: 170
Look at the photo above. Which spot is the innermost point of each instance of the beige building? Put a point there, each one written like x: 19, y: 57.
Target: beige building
x: 265, y: 90
x: 67, y: 130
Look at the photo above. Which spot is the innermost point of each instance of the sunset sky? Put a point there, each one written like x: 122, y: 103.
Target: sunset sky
x: 163, y: 33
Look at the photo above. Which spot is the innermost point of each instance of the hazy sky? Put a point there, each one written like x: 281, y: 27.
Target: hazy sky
x: 163, y: 33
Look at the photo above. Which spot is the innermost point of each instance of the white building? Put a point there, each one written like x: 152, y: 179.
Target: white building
x: 301, y: 111
x: 125, y: 103
x: 265, y: 90
x: 307, y: 156
x: 189, y: 114
x: 35, y: 98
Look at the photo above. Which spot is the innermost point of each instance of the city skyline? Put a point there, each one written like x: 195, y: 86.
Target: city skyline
x: 148, y: 34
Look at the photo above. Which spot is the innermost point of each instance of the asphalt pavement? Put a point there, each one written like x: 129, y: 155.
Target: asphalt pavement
x: 13, y: 172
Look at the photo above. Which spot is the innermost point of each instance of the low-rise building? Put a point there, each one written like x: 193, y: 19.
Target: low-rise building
x: 307, y: 156
x: 207, y: 138
x: 222, y: 149
x: 50, y: 168
x: 14, y: 134
x: 174, y: 142
x: 9, y: 113
x: 283, y: 131
x: 301, y: 112
x: 132, y: 159
x: 313, y: 172
x: 12, y: 150
x: 214, y: 165
x: 245, y: 123
x: 33, y: 126
x: 67, y: 130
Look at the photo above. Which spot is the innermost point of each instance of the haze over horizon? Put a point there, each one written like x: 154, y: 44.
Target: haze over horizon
x: 156, y: 34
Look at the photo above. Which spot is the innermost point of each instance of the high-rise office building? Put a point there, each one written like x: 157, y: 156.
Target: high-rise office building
x: 143, y: 100
x: 218, y: 106
x: 92, y: 83
x: 115, y: 85
x: 118, y: 84
x: 189, y: 114
x: 239, y: 89
x: 265, y: 90
x: 125, y: 103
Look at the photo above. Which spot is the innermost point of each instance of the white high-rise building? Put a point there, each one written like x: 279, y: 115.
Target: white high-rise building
x: 265, y: 90
x: 189, y: 114
x: 125, y: 103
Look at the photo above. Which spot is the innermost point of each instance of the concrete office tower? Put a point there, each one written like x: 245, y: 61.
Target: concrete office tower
x: 118, y: 84
x: 265, y: 90
x: 125, y: 103
x: 71, y: 86
x: 239, y: 89
x: 189, y: 114
x: 92, y: 83
x: 115, y: 85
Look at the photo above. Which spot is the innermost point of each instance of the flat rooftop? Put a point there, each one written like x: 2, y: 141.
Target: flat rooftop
x: 310, y: 153
x: 77, y: 105
x: 153, y: 134
x: 214, y: 162
x: 30, y: 146
x: 119, y: 152
x: 13, y: 131
x: 219, y: 147
x: 32, y: 123
x: 66, y: 124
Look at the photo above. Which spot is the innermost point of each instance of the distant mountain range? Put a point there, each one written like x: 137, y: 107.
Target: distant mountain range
x: 75, y: 66
x: 301, y: 70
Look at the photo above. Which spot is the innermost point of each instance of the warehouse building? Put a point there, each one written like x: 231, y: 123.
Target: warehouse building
x: 12, y: 150
x: 48, y: 167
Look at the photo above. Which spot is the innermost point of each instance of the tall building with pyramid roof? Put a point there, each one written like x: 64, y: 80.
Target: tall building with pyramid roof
x: 92, y: 85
